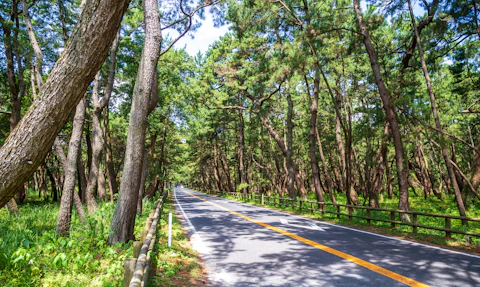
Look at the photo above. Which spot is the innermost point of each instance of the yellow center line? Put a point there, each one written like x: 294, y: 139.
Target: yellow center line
x: 356, y: 260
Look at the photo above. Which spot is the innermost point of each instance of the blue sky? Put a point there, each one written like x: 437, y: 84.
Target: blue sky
x: 207, y: 33
x: 203, y: 37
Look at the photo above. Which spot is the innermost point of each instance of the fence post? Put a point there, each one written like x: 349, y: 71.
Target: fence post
x: 129, y: 267
x: 448, y: 225
x: 301, y: 205
x: 350, y: 213
x: 338, y: 211
x: 148, y: 223
x: 137, y: 246
x: 143, y: 235
x: 311, y: 207
x: 392, y: 217
x: 368, y: 216
x: 263, y: 199
x: 169, y: 229
x: 415, y: 221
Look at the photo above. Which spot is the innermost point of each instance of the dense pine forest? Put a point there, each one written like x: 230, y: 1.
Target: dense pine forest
x: 372, y: 103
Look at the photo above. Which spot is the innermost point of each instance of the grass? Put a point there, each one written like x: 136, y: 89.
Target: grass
x: 178, y: 265
x: 31, y: 254
x: 417, y: 203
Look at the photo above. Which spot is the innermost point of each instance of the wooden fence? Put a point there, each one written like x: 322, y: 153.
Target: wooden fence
x: 309, y: 205
x: 136, y: 268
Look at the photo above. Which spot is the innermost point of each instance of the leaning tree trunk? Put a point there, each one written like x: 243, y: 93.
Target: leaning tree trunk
x: 96, y: 175
x: 65, y: 213
x: 289, y: 151
x: 445, y: 153
x: 27, y: 145
x: 123, y: 221
x: 152, y: 105
x: 328, y: 179
x: 97, y: 148
x: 391, y: 115
x: 312, y: 138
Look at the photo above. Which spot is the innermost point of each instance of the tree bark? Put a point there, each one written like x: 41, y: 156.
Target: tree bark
x: 111, y: 176
x: 97, y: 148
x: 152, y: 105
x: 312, y: 138
x: 328, y: 179
x: 143, y: 178
x: 391, y: 115
x: 123, y: 221
x: 102, y: 185
x: 61, y: 9
x: 65, y: 213
x: 82, y: 179
x: 289, y: 151
x: 27, y: 145
x: 241, y: 151
x: 112, y: 180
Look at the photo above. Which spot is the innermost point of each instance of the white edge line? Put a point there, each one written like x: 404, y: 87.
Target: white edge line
x: 353, y: 229
x: 183, y: 212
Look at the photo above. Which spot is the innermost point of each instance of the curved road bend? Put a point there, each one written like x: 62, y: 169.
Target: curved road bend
x: 245, y: 245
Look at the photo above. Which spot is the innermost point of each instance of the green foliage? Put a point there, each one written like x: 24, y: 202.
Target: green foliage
x: 31, y: 254
x: 241, y: 186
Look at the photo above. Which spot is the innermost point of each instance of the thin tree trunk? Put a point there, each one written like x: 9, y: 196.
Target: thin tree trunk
x: 152, y: 105
x: 65, y: 213
x: 388, y: 106
x: 62, y: 15
x: 123, y: 221
x: 328, y: 179
x: 289, y: 151
x: 34, y: 43
x: 445, y: 153
x: 102, y: 185
x: 143, y: 178
x: 241, y: 151
x: 82, y: 179
x: 312, y: 138
x: 97, y: 148
x: 112, y: 179
x: 53, y: 184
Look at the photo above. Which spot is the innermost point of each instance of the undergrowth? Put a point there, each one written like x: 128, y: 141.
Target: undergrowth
x: 31, y: 254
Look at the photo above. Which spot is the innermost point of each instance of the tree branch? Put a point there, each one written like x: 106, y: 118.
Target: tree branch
x: 189, y: 17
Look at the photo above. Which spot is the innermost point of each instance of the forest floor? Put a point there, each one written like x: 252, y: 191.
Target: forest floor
x: 178, y: 265
x: 430, y: 237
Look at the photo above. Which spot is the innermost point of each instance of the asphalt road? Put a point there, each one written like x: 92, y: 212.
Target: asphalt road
x: 245, y: 245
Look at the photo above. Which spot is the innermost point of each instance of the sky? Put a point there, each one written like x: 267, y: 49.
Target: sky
x: 207, y: 33
x: 203, y: 37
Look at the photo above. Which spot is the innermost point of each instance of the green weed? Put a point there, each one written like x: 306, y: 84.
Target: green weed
x: 31, y: 254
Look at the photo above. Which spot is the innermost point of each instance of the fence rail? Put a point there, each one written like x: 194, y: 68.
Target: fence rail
x: 302, y: 205
x: 136, y: 269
